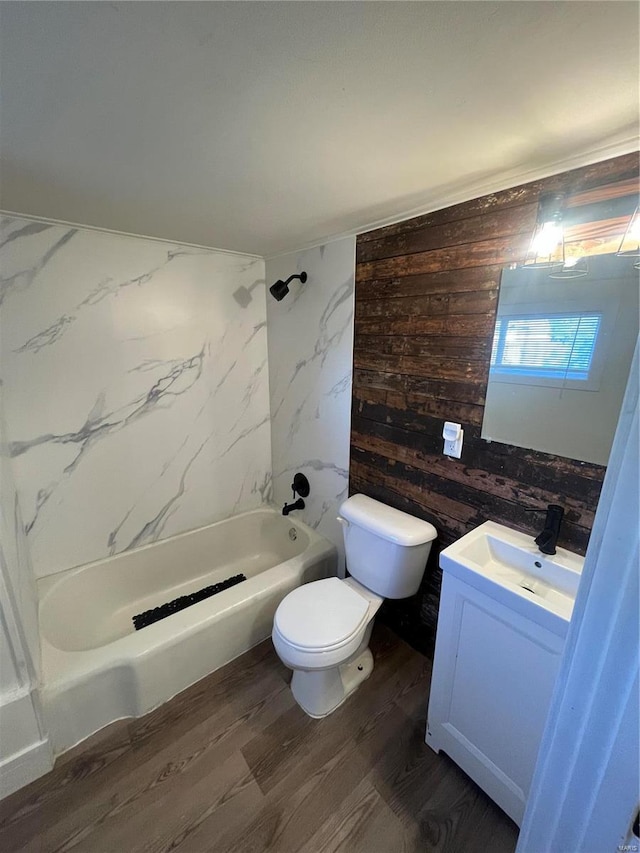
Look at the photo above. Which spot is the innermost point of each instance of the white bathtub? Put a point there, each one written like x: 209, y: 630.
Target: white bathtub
x: 96, y: 668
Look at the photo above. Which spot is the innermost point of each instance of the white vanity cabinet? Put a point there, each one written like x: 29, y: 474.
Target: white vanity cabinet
x: 501, y: 633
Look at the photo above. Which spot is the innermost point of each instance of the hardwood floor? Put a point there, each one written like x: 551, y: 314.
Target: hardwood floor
x: 232, y: 764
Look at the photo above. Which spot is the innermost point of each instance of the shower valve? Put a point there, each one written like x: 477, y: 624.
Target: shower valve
x: 300, y: 486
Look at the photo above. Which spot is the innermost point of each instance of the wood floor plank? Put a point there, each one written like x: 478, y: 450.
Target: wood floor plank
x: 406, y: 776
x: 168, y: 760
x: 348, y: 771
x: 479, y: 831
x: 298, y: 806
x: 236, y: 684
x: 449, y: 811
x: 314, y: 785
x: 32, y: 811
x: 127, y: 808
x: 233, y: 765
x: 200, y: 814
x: 295, y: 737
x: 362, y: 824
x: 209, y: 828
x: 228, y: 726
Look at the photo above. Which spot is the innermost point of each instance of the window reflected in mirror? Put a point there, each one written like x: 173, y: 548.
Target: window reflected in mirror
x: 563, y: 344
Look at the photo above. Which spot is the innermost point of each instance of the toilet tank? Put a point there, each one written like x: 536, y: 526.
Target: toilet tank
x: 386, y: 549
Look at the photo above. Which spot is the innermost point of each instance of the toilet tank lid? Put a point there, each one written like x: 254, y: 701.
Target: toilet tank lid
x: 387, y: 522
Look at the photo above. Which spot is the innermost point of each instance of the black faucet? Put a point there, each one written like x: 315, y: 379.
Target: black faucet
x: 287, y: 508
x: 547, y: 539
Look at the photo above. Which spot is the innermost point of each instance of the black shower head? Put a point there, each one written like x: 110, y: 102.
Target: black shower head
x: 280, y: 289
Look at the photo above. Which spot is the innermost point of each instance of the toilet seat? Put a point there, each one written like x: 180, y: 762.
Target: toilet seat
x: 320, y: 624
x: 321, y: 616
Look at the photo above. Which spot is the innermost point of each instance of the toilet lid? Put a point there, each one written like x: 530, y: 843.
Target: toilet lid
x: 320, y: 615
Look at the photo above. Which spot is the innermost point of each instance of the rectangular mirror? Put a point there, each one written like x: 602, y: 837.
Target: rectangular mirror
x: 560, y: 357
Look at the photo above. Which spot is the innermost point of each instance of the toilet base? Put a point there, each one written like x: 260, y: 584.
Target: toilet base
x: 320, y: 692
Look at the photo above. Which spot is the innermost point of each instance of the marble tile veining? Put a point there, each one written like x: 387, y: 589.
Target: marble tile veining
x: 136, y: 388
x: 17, y: 581
x: 310, y: 368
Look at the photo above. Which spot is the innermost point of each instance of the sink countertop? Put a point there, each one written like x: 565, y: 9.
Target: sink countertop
x: 507, y: 565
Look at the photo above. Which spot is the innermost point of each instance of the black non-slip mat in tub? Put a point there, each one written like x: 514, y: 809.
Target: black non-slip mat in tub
x: 157, y: 613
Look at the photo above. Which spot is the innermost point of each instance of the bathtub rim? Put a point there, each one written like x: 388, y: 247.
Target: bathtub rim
x: 63, y: 668
x: 62, y: 582
x: 47, y: 582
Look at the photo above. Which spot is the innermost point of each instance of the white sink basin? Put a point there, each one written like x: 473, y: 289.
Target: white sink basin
x: 508, y: 566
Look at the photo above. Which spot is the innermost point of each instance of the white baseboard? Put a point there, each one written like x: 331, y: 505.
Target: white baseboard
x: 25, y: 749
x: 25, y: 766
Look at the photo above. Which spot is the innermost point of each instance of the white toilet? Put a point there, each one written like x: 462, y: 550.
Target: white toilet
x: 321, y: 630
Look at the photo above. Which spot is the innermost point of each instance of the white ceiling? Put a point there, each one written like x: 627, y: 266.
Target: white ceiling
x: 263, y: 127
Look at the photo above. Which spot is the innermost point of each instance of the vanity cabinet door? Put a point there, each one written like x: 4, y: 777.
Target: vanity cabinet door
x: 493, y: 676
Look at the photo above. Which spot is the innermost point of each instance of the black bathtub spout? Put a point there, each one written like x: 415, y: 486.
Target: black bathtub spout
x: 287, y: 508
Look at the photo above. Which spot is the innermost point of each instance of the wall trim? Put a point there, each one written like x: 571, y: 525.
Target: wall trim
x: 24, y: 767
x: 448, y: 196
x: 445, y: 197
x: 32, y: 752
x: 66, y: 224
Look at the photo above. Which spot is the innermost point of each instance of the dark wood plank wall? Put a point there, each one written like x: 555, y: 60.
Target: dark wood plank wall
x: 426, y: 296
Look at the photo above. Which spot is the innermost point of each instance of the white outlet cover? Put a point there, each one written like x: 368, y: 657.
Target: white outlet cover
x: 454, y: 448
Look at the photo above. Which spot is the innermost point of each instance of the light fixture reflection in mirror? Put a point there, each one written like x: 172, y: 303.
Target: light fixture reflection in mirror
x: 630, y: 243
x: 560, y: 358
x: 546, y: 250
x: 574, y: 267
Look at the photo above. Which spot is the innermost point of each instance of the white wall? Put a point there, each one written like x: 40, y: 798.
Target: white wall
x: 136, y: 387
x: 310, y: 369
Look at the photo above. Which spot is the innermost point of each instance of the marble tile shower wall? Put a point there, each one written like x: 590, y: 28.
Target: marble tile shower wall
x: 135, y: 384
x: 17, y: 577
x: 310, y: 368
